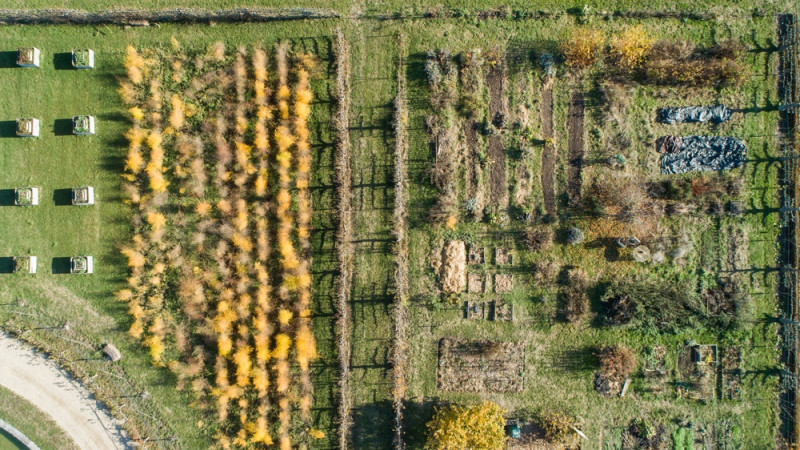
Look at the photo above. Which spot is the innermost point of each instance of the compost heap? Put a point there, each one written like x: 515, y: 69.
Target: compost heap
x: 715, y: 114
x: 700, y: 153
x: 454, y: 267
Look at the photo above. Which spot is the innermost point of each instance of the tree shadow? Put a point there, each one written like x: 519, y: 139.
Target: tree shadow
x: 6, y: 264
x: 373, y: 425
x: 8, y: 60
x: 62, y: 197
x: 60, y: 265
x: 8, y: 128
x: 62, y: 127
x: 6, y: 197
x: 416, y: 415
x: 63, y: 61
x: 575, y: 359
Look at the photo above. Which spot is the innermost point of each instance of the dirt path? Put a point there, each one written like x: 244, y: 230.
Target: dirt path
x: 575, y: 123
x: 38, y: 380
x: 549, y: 153
x: 498, y: 193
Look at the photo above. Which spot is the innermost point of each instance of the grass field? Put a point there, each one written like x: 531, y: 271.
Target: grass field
x: 560, y: 361
x: 31, y: 422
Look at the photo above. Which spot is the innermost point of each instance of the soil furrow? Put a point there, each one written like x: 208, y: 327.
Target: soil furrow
x: 549, y: 153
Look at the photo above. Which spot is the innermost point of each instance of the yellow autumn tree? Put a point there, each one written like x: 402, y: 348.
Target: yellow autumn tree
x: 583, y: 47
x: 467, y: 427
x: 629, y: 49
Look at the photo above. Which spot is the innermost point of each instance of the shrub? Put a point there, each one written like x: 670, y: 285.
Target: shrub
x: 557, y: 427
x: 458, y: 427
x: 539, y: 237
x: 575, y: 236
x: 616, y: 362
x: 583, y: 47
x: 644, y: 429
x: 656, y: 306
x: 675, y: 63
x: 630, y: 49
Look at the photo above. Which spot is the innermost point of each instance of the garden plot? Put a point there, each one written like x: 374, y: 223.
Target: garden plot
x: 697, y: 368
x: 731, y: 373
x: 656, y: 374
x: 481, y: 366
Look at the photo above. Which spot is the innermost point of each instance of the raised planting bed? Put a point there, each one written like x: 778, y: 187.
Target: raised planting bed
x: 503, y: 257
x: 476, y: 283
x: 28, y: 57
x: 24, y: 264
x: 697, y: 371
x: 501, y: 311
x: 503, y: 283
x: 28, y: 127
x: 83, y: 125
x: 476, y: 254
x: 26, y: 196
x: 83, y: 196
x: 81, y: 265
x: 474, y: 310
x: 83, y: 58
x: 481, y: 366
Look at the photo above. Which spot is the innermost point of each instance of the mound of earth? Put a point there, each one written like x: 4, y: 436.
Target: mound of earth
x: 454, y: 267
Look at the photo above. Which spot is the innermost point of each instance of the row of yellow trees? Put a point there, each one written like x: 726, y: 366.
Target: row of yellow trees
x: 210, y: 295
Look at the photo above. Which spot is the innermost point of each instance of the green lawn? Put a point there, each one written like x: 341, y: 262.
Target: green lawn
x: 32, y: 422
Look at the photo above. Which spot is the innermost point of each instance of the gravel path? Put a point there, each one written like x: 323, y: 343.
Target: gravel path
x: 38, y: 380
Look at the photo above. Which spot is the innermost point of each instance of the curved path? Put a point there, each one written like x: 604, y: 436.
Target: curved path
x: 38, y: 380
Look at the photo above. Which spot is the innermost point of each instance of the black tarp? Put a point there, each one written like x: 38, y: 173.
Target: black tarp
x: 715, y: 114
x: 700, y: 153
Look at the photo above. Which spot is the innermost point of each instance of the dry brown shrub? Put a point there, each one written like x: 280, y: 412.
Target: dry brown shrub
x: 539, y: 237
x: 545, y: 271
x: 616, y: 362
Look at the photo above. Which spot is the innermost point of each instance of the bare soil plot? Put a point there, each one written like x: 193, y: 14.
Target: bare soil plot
x: 503, y: 283
x: 454, y: 267
x: 499, y: 189
x: 730, y: 366
x: 481, y: 366
x: 501, y: 311
x: 697, y: 369
x: 575, y: 125
x: 476, y: 283
x: 503, y: 256
x: 549, y: 153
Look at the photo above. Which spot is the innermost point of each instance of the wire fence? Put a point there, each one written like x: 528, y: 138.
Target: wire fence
x: 81, y: 357
x: 789, y: 280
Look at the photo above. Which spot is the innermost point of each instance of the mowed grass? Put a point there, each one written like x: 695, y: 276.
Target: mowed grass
x: 32, y: 422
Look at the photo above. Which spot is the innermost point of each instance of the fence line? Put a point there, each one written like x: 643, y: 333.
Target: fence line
x: 108, y: 382
x: 400, y: 231
x: 344, y: 235
x: 139, y: 17
x: 789, y: 238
